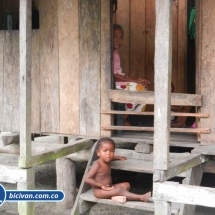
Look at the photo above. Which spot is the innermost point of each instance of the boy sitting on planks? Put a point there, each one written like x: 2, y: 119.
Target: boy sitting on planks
x: 99, y: 176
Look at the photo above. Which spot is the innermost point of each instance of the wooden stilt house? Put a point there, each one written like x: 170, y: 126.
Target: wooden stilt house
x: 58, y: 80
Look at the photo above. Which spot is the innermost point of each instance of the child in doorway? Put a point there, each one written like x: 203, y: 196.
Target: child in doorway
x: 99, y: 176
x: 123, y: 82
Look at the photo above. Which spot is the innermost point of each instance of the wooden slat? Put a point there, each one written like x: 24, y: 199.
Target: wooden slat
x: 193, y: 195
x: 1, y: 77
x: 106, y: 68
x: 49, y: 67
x: 124, y: 96
x: 135, y: 128
x: 11, y: 82
x: 137, y: 38
x: 90, y: 67
x: 201, y: 115
x: 182, y: 45
x: 123, y: 19
x: 149, y: 41
x: 36, y: 87
x: 68, y: 40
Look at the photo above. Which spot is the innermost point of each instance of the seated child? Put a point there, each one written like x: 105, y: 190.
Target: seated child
x: 99, y: 176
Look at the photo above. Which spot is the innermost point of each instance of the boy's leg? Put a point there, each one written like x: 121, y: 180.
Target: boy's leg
x: 118, y: 191
x: 124, y: 185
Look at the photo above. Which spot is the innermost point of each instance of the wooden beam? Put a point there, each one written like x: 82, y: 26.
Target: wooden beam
x: 106, y: 65
x: 148, y: 97
x: 187, y: 194
x: 202, y: 115
x: 179, y: 166
x: 134, y: 128
x: 25, y: 78
x: 205, y: 150
x: 57, y: 153
x: 163, y: 66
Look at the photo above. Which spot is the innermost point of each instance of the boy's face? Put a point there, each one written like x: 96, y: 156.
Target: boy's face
x: 106, y: 151
x: 117, y: 38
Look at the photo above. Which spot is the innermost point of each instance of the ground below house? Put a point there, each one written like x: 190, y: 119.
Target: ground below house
x: 46, y: 179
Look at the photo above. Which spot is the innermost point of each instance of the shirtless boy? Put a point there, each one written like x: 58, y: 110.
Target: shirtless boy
x: 99, y: 176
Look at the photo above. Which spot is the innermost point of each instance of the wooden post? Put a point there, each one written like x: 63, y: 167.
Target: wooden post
x: 194, y: 177
x: 25, y: 78
x: 162, y: 208
x: 163, y: 66
x: 66, y: 181
x: 106, y: 68
x: 27, y: 208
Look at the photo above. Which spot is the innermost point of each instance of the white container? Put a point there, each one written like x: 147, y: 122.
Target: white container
x: 9, y: 21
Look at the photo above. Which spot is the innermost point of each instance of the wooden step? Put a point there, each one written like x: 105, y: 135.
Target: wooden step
x: 147, y: 206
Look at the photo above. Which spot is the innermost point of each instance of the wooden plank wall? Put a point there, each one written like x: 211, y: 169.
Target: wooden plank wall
x: 206, y: 63
x: 50, y: 118
x: 90, y: 14
x: 68, y: 41
x: 137, y: 18
x: 11, y: 81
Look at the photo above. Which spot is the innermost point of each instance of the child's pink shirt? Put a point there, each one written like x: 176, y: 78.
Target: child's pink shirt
x: 117, y: 69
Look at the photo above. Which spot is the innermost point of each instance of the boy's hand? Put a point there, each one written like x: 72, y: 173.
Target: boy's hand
x: 122, y: 158
x: 104, y: 187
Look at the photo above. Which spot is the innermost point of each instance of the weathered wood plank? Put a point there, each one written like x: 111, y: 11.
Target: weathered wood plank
x: 106, y: 68
x: 123, y: 19
x: 149, y: 41
x: 35, y: 83
x: 187, y: 194
x: 206, y: 73
x: 11, y: 82
x: 202, y: 115
x: 90, y: 66
x: 137, y: 39
x: 182, y: 46
x: 10, y: 138
x: 135, y: 128
x: 68, y: 40
x: 49, y: 63
x: 124, y: 96
x: 66, y: 181
x: 25, y: 79
x: 12, y: 174
x: 1, y: 77
x: 204, y: 150
x: 57, y: 153
x: 162, y: 208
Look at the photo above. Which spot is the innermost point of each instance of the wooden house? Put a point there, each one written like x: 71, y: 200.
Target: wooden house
x: 58, y: 80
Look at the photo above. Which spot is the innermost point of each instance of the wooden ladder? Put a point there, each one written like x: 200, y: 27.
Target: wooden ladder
x: 85, y: 198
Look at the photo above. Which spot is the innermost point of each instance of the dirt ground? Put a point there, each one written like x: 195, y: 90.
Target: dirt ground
x: 46, y: 180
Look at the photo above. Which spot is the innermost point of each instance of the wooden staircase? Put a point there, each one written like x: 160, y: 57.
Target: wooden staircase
x: 137, y: 162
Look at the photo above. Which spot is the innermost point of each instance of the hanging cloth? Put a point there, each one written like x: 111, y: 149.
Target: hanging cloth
x: 191, y: 26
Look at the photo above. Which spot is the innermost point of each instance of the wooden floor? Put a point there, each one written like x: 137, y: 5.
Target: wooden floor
x: 176, y: 139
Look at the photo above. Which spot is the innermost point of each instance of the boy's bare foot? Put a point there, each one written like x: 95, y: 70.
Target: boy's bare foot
x: 145, y: 197
x: 120, y: 199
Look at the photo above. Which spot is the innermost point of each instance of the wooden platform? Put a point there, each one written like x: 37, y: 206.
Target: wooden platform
x: 148, y: 206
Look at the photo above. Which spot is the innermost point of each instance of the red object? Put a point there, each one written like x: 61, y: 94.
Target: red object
x: 129, y: 105
x: 123, y: 86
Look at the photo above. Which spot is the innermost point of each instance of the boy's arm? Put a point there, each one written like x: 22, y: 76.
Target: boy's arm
x: 122, y: 158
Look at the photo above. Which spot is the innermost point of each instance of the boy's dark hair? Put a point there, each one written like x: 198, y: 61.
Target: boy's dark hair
x: 104, y: 139
x: 117, y: 26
